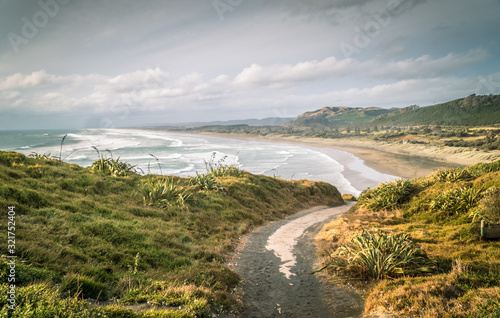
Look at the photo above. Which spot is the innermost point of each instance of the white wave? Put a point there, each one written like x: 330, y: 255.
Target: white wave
x: 80, y: 157
x: 189, y: 168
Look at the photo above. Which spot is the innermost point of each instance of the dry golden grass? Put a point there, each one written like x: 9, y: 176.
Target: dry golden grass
x: 466, y: 283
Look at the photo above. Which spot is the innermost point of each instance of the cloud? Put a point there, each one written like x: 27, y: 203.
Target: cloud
x: 9, y: 94
x: 425, y: 66
x: 348, y: 82
x: 285, y: 75
x: 41, y: 79
x: 138, y: 80
x: 35, y: 79
x: 143, y: 90
x: 277, y: 76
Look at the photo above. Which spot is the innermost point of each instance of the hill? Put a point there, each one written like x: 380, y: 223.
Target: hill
x: 473, y: 110
x: 339, y: 116
x: 106, y: 232
x: 414, y: 246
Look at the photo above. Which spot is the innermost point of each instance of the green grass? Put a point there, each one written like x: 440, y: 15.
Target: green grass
x: 85, y: 234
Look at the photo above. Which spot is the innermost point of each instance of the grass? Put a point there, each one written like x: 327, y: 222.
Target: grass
x: 488, y: 208
x: 218, y: 168
x: 111, y: 167
x: 439, y: 217
x: 377, y: 255
x: 387, y: 196
x: 163, y: 191
x: 87, y: 234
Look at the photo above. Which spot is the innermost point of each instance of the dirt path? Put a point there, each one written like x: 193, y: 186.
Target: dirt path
x: 276, y: 263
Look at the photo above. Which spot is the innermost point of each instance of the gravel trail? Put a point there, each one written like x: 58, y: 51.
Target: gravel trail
x: 276, y: 263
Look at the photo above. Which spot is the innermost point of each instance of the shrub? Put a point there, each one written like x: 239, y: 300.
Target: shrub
x: 452, y: 175
x: 220, y: 169
x: 163, y: 192
x: 205, y: 182
x: 111, y: 167
x: 386, y: 196
x: 483, y: 168
x: 489, y: 207
x: 455, y: 201
x: 379, y: 255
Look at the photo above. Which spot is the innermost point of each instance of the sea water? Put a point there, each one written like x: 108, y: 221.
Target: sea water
x: 182, y: 154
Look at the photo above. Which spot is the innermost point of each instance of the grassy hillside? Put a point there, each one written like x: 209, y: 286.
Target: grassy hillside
x: 339, y: 116
x: 159, y: 241
x: 414, y: 246
x: 473, y: 110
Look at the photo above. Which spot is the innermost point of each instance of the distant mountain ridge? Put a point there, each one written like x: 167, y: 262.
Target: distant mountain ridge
x: 340, y: 116
x: 473, y: 110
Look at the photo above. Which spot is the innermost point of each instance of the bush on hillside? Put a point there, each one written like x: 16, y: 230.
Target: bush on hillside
x: 455, y: 201
x: 387, y: 196
x: 379, y: 255
x: 489, y: 207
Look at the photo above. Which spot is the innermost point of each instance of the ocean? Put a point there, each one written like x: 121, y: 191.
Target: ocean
x: 184, y: 155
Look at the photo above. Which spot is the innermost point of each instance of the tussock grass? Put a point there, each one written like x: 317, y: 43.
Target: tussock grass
x: 85, y: 235
x: 441, y: 215
x: 387, y: 196
x: 163, y: 191
x: 489, y: 207
x: 111, y: 167
x: 456, y: 201
x: 377, y: 255
x: 219, y: 168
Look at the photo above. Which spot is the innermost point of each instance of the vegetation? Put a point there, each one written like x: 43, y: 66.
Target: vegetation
x: 387, y: 196
x: 379, y: 255
x: 473, y: 110
x: 451, y: 272
x: 111, y: 167
x: 339, y: 116
x: 85, y: 236
x: 163, y: 191
x: 488, y: 208
x: 218, y: 168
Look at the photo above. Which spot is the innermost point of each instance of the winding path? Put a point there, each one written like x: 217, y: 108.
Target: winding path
x: 276, y: 263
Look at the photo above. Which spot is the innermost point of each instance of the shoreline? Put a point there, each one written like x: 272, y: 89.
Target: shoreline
x: 401, y: 160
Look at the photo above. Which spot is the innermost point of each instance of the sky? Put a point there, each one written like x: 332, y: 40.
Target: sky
x: 119, y: 63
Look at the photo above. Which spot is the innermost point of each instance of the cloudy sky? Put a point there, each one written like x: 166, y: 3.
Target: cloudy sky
x: 116, y: 63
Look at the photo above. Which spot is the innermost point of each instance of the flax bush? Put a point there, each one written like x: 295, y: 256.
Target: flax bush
x: 452, y: 175
x: 379, y: 255
x: 387, y: 196
x: 488, y: 208
x: 163, y: 191
x: 111, y: 167
x: 205, y: 182
x: 218, y: 168
x: 455, y: 201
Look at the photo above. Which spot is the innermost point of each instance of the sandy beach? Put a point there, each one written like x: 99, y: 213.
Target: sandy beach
x: 402, y: 160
